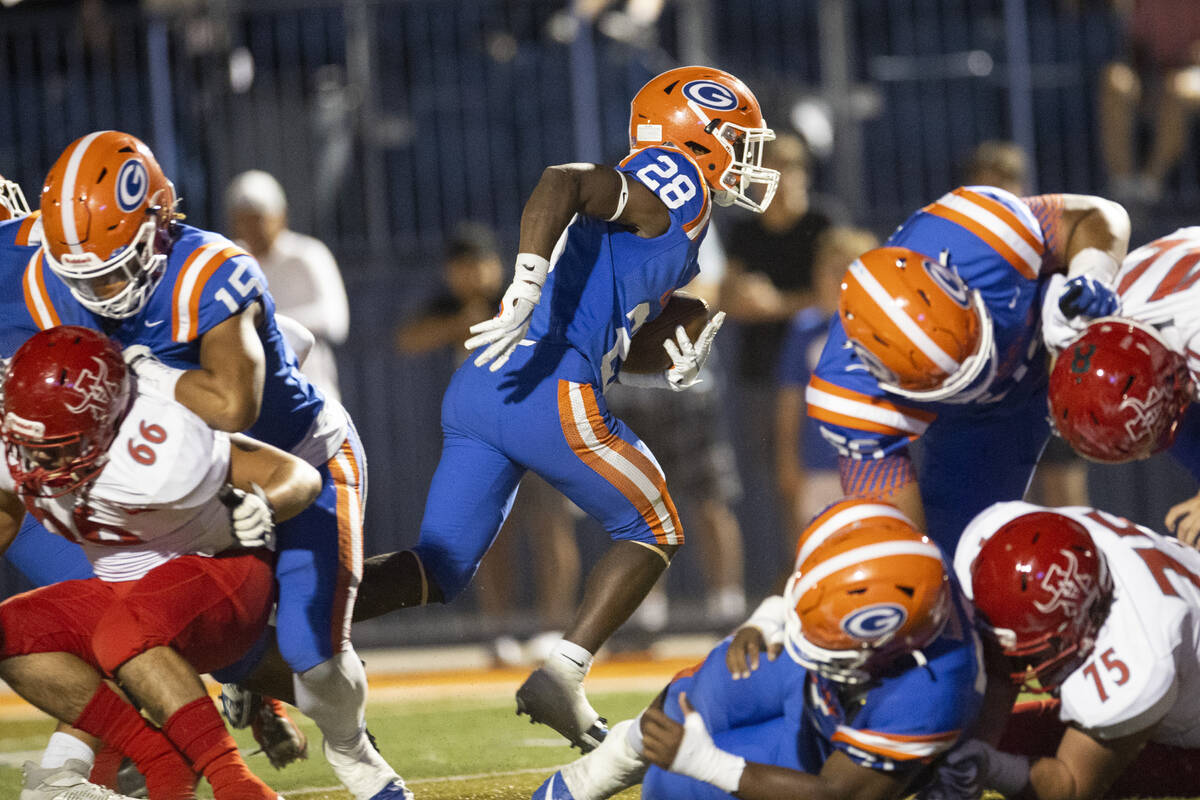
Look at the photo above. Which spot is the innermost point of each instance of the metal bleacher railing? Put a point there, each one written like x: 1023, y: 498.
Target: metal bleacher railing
x: 388, y: 121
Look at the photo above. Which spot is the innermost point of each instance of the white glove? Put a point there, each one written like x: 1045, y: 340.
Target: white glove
x: 151, y: 373
x: 972, y: 766
x: 503, y: 332
x: 687, y: 359
x: 699, y: 757
x: 251, y: 515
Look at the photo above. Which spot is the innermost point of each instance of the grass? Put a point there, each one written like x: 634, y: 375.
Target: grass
x: 460, y: 748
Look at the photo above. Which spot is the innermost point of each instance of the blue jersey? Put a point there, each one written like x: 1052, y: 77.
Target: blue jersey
x: 1000, y: 245
x: 16, y: 323
x: 608, y: 281
x: 208, y: 280
x: 909, y: 716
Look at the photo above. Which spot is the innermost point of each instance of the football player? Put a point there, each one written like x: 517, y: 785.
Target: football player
x: 1121, y: 389
x: 193, y: 312
x: 1103, y: 614
x: 883, y: 674
x: 532, y: 395
x: 936, y: 338
x: 181, y: 556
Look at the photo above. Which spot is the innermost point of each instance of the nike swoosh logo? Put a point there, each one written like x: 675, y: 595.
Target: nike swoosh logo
x: 150, y: 324
x: 573, y: 661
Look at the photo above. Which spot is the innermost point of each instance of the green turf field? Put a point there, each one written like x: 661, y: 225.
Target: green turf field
x: 466, y: 748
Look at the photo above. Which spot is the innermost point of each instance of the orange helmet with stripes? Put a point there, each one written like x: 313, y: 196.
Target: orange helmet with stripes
x: 916, y: 325
x: 868, y: 588
x: 12, y: 200
x: 107, y: 211
x: 715, y: 119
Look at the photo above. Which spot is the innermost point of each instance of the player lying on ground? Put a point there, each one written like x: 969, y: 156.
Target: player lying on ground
x: 178, y: 522
x: 1103, y: 614
x: 882, y: 676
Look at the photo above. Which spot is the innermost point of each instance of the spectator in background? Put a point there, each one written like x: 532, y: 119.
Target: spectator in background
x: 473, y: 281
x: 302, y: 274
x: 1061, y: 476
x: 698, y: 460
x: 769, y: 279
x: 806, y: 468
x: 1159, y: 78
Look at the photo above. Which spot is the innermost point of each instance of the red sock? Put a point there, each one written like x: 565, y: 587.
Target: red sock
x: 104, y: 769
x: 199, y: 733
x: 110, y: 718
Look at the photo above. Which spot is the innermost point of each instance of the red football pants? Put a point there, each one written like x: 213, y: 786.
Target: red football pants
x: 1160, y: 770
x: 210, y: 610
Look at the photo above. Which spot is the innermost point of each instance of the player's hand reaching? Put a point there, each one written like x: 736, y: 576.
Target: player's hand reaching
x: 687, y: 357
x: 1184, y: 521
x: 972, y: 766
x: 151, y: 373
x: 503, y: 332
x: 764, y: 631
x: 251, y: 515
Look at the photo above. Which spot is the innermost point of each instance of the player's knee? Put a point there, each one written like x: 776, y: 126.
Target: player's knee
x: 445, y: 574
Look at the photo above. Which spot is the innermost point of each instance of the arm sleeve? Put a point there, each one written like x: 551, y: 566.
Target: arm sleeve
x: 1048, y: 209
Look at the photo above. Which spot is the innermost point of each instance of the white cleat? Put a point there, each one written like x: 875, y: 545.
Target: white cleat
x: 562, y: 705
x: 238, y: 705
x: 68, y: 782
x: 364, y: 772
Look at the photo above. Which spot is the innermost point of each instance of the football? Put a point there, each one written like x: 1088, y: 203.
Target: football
x: 646, y: 353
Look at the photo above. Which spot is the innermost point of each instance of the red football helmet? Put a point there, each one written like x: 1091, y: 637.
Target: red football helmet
x: 1042, y: 589
x: 916, y: 326
x: 107, y: 211
x: 714, y: 118
x: 12, y: 201
x: 1118, y: 392
x: 868, y: 588
x: 66, y: 391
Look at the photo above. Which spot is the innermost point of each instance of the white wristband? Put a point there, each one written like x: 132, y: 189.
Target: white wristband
x: 1095, y: 262
x: 699, y: 758
x: 770, y: 616
x: 157, y: 377
x: 531, y: 268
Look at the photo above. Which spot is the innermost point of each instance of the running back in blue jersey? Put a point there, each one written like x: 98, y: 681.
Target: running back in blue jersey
x: 618, y: 280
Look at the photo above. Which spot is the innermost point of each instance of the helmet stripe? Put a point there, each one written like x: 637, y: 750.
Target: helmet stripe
x: 67, y: 207
x: 900, y: 318
x: 849, y: 558
x: 845, y: 517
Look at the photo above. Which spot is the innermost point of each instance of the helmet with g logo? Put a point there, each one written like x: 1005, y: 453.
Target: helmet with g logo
x: 107, y: 209
x: 868, y: 588
x: 714, y: 118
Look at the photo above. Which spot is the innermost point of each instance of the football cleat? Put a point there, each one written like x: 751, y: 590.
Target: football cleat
x: 611, y: 768
x: 130, y: 782
x: 553, y: 789
x: 68, y: 782
x: 238, y: 705
x: 365, y: 773
x: 277, y: 735
x: 563, y: 706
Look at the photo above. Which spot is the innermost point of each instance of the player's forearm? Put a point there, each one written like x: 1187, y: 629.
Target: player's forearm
x: 292, y: 487
x: 1051, y: 779
x: 226, y: 403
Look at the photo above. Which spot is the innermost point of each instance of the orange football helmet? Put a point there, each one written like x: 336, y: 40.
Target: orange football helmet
x: 868, y: 588
x: 916, y: 325
x: 107, y: 211
x: 12, y: 200
x: 714, y: 118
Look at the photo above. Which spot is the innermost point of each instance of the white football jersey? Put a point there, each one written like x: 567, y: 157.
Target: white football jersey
x: 155, y: 499
x: 1158, y: 286
x: 1145, y: 668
